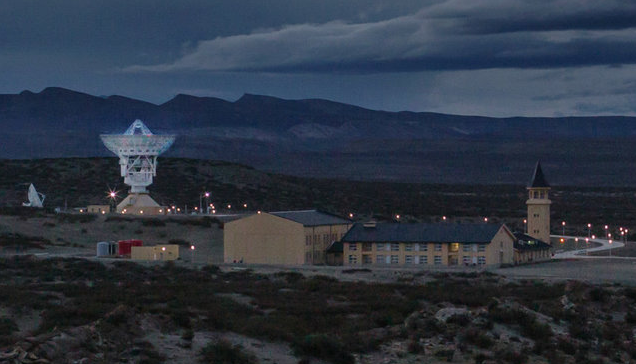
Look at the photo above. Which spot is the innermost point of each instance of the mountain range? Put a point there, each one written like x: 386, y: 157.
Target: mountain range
x: 321, y: 138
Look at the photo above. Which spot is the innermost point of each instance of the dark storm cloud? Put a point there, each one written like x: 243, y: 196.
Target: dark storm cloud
x: 451, y: 35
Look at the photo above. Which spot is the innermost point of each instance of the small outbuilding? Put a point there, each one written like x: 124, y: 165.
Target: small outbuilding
x: 530, y: 250
x: 156, y: 252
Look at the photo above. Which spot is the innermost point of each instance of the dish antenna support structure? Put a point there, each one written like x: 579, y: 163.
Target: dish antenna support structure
x: 36, y: 199
x: 138, y: 149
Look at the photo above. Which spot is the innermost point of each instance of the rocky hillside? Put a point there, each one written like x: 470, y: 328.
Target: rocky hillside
x: 60, y: 311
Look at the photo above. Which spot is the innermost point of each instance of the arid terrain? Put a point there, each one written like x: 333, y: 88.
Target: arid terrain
x: 61, y: 304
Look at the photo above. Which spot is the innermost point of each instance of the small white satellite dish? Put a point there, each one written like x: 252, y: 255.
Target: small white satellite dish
x: 36, y: 199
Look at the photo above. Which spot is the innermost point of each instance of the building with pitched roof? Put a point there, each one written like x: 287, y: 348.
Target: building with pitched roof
x: 530, y: 250
x: 283, y: 237
x: 444, y: 244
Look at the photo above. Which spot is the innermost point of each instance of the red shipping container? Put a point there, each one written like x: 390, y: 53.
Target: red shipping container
x: 125, y: 246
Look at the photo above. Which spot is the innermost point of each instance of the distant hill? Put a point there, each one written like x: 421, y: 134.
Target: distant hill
x: 323, y: 138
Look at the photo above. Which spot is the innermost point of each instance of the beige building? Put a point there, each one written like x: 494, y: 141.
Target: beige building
x: 428, y: 244
x: 157, y: 252
x: 539, y: 206
x: 285, y: 237
x: 531, y: 250
x: 98, y: 209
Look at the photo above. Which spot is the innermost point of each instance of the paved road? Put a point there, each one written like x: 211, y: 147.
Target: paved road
x: 582, y: 253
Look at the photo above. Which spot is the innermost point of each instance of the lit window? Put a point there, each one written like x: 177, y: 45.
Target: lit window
x: 454, y: 247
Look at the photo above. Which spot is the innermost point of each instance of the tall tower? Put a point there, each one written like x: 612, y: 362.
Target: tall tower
x: 539, y: 206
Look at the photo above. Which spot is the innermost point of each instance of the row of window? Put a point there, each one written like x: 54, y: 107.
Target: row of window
x: 422, y: 247
x: 411, y: 259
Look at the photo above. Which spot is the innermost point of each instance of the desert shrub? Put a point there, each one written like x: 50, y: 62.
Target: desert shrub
x: 511, y: 356
x: 530, y: 327
x: 566, y: 346
x: 22, y: 241
x: 147, y: 353
x: 630, y: 317
x: 358, y: 270
x: 117, y: 218
x: 7, y: 326
x: 138, y: 231
x: 478, y: 338
x: 446, y: 354
x: 48, y: 224
x: 152, y: 222
x: 290, y: 277
x: 323, y: 347
x: 630, y: 293
x: 226, y: 353
x: 73, y: 218
x: 460, y: 320
x: 599, y: 294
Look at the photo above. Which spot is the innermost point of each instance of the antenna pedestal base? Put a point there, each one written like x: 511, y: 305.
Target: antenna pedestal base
x: 140, y: 204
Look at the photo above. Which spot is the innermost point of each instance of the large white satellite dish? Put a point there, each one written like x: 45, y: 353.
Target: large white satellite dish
x: 137, y: 149
x: 36, y: 199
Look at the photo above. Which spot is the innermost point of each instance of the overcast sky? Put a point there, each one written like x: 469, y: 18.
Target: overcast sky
x: 484, y: 57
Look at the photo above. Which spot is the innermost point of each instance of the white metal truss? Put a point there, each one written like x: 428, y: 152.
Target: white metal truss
x: 137, y: 149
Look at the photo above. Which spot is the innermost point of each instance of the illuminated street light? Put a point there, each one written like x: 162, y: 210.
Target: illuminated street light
x: 525, y: 226
x: 201, y: 196
x: 485, y: 219
x: 563, y: 225
x: 192, y: 254
x: 589, y: 230
x: 444, y: 218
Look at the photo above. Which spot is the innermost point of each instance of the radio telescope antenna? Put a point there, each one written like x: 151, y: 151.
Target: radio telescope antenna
x: 36, y: 199
x: 137, y: 149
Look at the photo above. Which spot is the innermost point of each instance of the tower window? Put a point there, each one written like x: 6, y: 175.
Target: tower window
x: 536, y: 194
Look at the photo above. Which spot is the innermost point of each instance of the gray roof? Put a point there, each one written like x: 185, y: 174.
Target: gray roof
x: 311, y: 217
x: 526, y: 242
x: 425, y: 233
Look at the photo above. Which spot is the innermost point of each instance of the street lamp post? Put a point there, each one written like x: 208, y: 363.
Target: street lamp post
x: 589, y: 230
x: 525, y: 226
x: 192, y: 254
x: 563, y: 225
x: 206, y: 195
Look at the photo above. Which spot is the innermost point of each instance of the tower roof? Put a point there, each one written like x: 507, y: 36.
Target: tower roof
x: 538, y: 179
